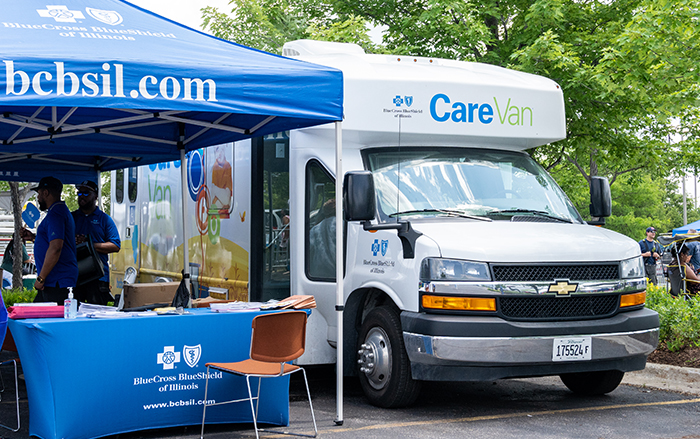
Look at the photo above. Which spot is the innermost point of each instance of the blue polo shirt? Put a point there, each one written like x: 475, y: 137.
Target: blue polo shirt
x: 101, y: 228
x: 57, y: 224
x: 694, y: 248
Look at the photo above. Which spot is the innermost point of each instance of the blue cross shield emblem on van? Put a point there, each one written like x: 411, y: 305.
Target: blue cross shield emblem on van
x: 385, y: 246
x: 375, y: 247
x: 408, y: 100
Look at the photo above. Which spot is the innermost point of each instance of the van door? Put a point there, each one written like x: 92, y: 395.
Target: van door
x: 270, y: 237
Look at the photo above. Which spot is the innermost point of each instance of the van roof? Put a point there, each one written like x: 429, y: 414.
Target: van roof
x: 438, y: 101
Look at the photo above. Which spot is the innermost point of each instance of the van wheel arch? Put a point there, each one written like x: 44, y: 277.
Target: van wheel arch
x: 359, y: 304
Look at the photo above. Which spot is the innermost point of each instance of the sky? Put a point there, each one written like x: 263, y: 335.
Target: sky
x: 186, y: 12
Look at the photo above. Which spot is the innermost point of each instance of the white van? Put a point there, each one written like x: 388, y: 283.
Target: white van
x: 464, y: 259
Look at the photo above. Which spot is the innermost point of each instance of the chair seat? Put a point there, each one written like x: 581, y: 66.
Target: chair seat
x: 253, y: 367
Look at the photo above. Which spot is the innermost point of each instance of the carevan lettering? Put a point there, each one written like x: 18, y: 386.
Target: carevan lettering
x: 442, y: 109
x: 461, y: 112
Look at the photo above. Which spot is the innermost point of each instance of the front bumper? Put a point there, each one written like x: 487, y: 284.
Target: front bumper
x: 468, y: 348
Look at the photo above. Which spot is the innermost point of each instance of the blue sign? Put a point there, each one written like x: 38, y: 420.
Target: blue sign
x: 30, y: 215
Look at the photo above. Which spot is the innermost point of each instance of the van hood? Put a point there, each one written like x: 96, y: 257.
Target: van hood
x: 523, y: 242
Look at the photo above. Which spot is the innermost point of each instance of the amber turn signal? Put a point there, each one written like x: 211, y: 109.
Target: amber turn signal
x: 459, y: 303
x: 633, y: 299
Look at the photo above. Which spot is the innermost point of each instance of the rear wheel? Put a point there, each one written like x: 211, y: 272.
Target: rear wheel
x: 592, y: 383
x: 384, y: 369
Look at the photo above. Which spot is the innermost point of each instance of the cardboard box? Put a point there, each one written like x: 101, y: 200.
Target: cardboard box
x: 136, y: 295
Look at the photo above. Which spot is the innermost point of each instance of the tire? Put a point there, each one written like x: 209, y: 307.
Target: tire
x: 592, y: 383
x: 383, y: 366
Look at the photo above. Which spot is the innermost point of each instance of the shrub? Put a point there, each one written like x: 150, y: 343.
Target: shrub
x: 18, y: 295
x: 680, y: 319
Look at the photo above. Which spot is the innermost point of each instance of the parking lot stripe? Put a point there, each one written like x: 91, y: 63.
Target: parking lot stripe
x: 505, y: 416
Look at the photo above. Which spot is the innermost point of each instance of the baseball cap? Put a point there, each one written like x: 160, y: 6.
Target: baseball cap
x: 651, y: 229
x: 89, y: 184
x: 48, y: 183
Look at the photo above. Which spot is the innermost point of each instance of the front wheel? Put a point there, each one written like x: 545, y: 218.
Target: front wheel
x: 592, y: 383
x: 384, y: 369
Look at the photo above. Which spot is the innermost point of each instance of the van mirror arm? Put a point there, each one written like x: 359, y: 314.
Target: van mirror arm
x: 407, y: 234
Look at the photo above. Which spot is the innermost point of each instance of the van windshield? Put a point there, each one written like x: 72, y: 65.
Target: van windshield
x: 479, y: 183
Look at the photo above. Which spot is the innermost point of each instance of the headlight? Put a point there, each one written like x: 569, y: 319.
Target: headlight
x: 632, y: 268
x: 436, y: 269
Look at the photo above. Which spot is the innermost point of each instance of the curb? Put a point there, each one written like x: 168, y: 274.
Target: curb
x: 665, y: 377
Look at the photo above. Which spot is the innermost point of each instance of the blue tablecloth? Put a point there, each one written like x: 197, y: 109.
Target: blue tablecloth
x: 88, y: 378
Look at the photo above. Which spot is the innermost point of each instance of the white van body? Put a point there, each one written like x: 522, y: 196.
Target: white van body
x: 497, y: 276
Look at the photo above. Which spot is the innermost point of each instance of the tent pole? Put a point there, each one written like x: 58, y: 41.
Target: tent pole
x: 98, y: 179
x: 339, y: 302
x: 185, y: 242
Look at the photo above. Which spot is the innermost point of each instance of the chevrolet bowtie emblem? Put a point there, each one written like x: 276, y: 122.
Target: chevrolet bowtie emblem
x: 562, y: 288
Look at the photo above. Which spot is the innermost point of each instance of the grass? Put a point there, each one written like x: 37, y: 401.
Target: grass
x: 680, y: 319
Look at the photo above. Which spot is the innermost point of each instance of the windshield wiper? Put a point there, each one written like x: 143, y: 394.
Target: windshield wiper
x: 443, y: 211
x: 534, y: 212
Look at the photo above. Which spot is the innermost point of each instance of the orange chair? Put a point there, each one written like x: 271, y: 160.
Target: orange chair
x: 276, y: 339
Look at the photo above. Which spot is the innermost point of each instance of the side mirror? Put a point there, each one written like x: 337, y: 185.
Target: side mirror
x: 601, y: 202
x: 359, y: 197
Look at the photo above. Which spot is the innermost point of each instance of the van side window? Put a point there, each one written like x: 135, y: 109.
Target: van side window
x: 133, y: 184
x: 320, y: 224
x: 119, y: 185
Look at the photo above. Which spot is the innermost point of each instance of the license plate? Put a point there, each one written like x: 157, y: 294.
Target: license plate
x: 571, y: 349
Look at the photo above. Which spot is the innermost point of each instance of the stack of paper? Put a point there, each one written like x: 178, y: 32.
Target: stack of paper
x: 234, y: 306
x: 89, y: 308
x: 293, y: 302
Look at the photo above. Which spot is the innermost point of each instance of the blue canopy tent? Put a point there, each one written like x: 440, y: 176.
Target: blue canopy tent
x: 97, y: 85
x: 94, y: 85
x: 686, y: 228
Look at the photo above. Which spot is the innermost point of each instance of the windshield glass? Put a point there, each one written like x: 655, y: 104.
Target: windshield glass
x: 491, y: 184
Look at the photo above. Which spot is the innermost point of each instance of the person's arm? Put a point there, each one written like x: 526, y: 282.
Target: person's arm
x: 105, y: 247
x: 53, y: 253
x: 113, y: 244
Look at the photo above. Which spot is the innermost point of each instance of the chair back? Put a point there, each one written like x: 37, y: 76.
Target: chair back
x: 278, y: 337
x: 675, y: 278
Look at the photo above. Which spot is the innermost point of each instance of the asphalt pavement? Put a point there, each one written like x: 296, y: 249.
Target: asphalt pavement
x: 659, y: 402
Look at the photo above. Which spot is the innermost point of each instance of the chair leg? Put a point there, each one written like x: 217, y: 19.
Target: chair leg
x: 252, y: 408
x: 257, y: 400
x: 14, y: 362
x: 204, y: 411
x: 308, y: 394
x: 313, y: 417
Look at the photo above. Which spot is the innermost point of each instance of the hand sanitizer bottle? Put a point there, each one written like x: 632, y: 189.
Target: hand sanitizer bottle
x: 70, y: 306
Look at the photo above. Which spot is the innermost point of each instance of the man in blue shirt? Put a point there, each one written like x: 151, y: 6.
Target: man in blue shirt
x: 91, y: 221
x: 54, y: 244
x: 651, y: 251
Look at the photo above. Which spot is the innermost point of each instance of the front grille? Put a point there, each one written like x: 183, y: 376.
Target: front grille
x: 548, y: 273
x: 559, y: 308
